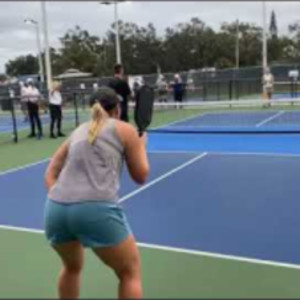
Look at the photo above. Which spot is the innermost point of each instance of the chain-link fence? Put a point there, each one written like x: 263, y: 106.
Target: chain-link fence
x: 14, y: 119
x: 199, y: 85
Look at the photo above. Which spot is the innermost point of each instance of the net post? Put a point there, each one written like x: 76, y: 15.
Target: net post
x: 13, y: 115
x: 82, y: 101
x: 205, y: 90
x: 237, y: 88
x: 76, y: 109
x: 230, y: 89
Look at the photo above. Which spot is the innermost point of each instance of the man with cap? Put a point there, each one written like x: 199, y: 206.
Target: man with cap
x: 178, y: 88
x: 32, y: 96
x: 120, y: 85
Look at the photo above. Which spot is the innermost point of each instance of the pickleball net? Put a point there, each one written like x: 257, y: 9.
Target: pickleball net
x: 249, y: 116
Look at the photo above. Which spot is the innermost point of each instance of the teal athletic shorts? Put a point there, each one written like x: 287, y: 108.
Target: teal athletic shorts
x: 94, y: 224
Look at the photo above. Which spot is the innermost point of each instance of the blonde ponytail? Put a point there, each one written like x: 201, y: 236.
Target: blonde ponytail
x: 99, y: 117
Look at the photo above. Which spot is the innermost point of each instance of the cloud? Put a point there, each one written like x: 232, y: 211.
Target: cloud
x: 17, y: 38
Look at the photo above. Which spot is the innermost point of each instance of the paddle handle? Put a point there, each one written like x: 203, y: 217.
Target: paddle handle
x: 140, y: 133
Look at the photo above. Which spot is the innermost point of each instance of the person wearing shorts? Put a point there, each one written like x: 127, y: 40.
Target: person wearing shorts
x: 82, y: 210
x: 162, y: 87
x: 268, y: 83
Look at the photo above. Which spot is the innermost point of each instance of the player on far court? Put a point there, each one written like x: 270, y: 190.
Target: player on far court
x: 55, y: 104
x: 82, y: 208
x: 33, y: 97
x: 268, y: 84
x: 121, y: 87
x: 162, y: 87
x: 178, y: 89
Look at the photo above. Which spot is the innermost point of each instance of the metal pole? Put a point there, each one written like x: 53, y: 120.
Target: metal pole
x: 118, y: 47
x: 237, y: 49
x: 41, y: 66
x: 264, y: 51
x: 47, y: 52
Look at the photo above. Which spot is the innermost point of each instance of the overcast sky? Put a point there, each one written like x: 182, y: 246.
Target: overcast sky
x: 17, y: 38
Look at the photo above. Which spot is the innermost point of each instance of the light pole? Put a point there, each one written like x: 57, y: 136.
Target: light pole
x: 38, y: 41
x: 264, y: 48
x: 46, y: 44
x: 237, y: 46
x: 117, y: 33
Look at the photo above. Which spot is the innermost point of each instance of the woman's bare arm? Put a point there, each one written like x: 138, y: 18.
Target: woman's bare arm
x: 56, y: 164
x: 135, y: 152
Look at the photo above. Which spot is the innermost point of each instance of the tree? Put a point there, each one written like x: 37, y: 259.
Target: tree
x: 291, y: 47
x: 273, y: 26
x: 79, y: 50
x: 22, y: 65
x: 274, y: 44
x: 189, y: 46
x: 250, y: 43
x: 185, y: 46
x: 3, y: 77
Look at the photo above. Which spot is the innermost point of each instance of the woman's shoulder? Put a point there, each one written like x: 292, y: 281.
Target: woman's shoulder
x: 123, y: 126
x: 124, y: 130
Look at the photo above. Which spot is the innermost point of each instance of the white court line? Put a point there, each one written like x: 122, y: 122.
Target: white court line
x: 21, y: 229
x: 162, y: 177
x: 163, y: 152
x: 23, y: 167
x: 47, y: 159
x: 291, y: 155
x: 228, y: 153
x: 263, y: 122
x: 221, y: 256
x: 184, y: 251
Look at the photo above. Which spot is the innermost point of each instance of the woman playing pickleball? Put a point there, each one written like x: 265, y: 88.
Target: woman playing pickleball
x: 82, y: 209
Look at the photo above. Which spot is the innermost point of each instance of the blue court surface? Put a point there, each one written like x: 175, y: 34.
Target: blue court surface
x: 226, y: 203
x: 217, y: 216
x: 269, y: 120
x: 244, y: 205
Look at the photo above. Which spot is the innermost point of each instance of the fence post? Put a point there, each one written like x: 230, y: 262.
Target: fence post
x: 13, y: 115
x: 218, y: 90
x: 76, y: 109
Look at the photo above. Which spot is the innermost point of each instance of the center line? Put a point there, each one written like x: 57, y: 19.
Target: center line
x: 162, y: 177
x: 263, y: 122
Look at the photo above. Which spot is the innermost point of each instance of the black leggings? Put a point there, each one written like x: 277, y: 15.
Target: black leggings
x: 124, y: 111
x: 34, y: 118
x: 178, y: 96
x: 56, y: 116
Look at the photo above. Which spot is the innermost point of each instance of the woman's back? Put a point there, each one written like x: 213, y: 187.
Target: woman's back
x: 91, y: 172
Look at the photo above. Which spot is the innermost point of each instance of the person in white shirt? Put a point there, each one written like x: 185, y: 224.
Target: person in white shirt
x: 268, y: 83
x: 162, y: 87
x: 32, y: 96
x: 55, y: 103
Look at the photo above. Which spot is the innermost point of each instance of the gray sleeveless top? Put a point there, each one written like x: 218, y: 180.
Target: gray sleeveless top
x: 91, y: 172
